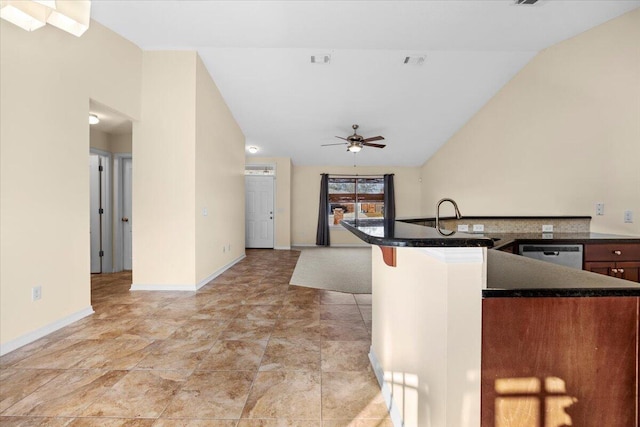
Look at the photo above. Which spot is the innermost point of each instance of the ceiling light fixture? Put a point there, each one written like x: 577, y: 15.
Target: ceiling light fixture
x: 93, y: 119
x: 253, y: 149
x: 354, y: 148
x: 72, y: 16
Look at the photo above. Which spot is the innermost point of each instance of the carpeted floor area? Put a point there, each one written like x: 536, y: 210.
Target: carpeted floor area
x: 335, y: 269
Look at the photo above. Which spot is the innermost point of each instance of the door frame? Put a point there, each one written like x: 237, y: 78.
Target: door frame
x: 107, y: 234
x: 273, y: 166
x: 118, y: 243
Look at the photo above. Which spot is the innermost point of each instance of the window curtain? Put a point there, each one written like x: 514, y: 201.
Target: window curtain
x: 389, y: 198
x: 322, y: 235
x: 389, y: 205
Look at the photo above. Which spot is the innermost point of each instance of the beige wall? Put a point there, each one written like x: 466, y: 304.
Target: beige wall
x: 188, y: 156
x: 164, y: 156
x: 561, y: 136
x: 283, y: 197
x: 110, y: 142
x: 219, y: 175
x: 305, y: 198
x: 47, y: 78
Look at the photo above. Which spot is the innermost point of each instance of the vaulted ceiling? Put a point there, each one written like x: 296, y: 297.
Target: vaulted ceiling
x: 259, y: 55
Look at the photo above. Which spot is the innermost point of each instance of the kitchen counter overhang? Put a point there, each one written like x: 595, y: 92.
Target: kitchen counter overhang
x: 402, y: 234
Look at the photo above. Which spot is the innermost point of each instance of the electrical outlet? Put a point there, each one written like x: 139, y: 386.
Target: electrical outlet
x: 205, y: 212
x: 463, y: 227
x: 478, y: 228
x: 628, y: 216
x: 547, y: 228
x: 36, y: 293
x: 600, y: 208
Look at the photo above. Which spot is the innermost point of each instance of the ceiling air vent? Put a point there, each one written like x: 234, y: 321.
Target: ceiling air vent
x: 526, y: 1
x: 320, y: 59
x: 414, y: 60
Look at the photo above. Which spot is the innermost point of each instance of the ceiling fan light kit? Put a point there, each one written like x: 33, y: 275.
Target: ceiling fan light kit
x: 356, y: 142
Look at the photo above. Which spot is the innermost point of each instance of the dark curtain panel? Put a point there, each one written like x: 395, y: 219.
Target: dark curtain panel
x: 389, y: 198
x: 389, y: 205
x: 322, y: 236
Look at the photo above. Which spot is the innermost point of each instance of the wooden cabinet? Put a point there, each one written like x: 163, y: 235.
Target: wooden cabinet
x: 621, y: 260
x: 560, y: 361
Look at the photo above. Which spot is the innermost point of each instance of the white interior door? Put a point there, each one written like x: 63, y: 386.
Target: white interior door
x: 94, y: 216
x: 259, y: 211
x: 127, y: 219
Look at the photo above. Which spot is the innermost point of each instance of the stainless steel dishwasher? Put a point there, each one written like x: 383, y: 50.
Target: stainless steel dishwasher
x: 567, y: 255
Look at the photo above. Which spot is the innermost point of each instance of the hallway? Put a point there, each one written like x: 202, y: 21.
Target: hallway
x: 246, y: 350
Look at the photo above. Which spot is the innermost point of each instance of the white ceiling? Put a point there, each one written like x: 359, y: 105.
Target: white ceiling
x: 258, y: 53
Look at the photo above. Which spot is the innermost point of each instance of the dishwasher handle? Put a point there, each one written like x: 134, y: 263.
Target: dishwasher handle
x: 551, y: 253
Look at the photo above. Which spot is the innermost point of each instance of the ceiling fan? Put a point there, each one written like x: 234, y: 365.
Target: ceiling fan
x: 355, y: 142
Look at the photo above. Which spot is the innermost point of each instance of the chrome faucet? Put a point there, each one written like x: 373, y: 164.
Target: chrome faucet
x: 458, y: 216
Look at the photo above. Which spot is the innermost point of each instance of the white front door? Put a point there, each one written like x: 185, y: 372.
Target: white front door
x: 259, y: 211
x: 127, y: 219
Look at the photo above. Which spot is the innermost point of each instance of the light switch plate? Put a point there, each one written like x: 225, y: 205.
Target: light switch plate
x: 463, y: 227
x: 628, y: 216
x: 600, y: 208
x: 547, y: 228
x: 478, y: 228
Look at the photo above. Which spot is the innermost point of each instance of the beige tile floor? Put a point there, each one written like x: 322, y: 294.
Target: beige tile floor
x: 246, y: 350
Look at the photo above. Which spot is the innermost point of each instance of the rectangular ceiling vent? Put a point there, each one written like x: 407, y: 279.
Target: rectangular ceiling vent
x: 321, y: 59
x: 526, y: 1
x: 414, y: 60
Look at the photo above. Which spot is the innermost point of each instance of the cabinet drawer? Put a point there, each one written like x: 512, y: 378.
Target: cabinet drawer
x: 612, y: 252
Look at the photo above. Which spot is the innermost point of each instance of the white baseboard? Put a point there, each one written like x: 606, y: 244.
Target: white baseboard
x: 220, y: 271
x: 185, y: 287
x: 43, y: 331
x: 385, y: 388
x: 282, y: 248
x: 164, y: 287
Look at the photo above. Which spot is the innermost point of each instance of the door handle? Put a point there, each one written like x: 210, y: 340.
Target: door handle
x: 125, y: 219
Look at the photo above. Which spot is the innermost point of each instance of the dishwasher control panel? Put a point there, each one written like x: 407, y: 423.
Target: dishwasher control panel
x: 567, y: 255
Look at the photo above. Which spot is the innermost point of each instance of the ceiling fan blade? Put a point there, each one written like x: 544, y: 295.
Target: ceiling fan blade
x: 342, y: 138
x: 337, y: 143
x: 368, y: 144
x: 373, y: 138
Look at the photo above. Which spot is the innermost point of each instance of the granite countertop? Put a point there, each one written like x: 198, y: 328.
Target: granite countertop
x: 505, y: 239
x: 508, y: 275
x: 511, y: 275
x: 400, y: 233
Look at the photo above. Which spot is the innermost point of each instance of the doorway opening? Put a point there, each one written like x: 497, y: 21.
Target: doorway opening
x: 111, y: 165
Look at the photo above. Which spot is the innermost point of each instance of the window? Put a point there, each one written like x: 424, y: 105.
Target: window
x: 355, y: 198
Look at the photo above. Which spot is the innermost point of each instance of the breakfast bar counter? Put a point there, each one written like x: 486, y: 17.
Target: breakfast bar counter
x: 459, y: 328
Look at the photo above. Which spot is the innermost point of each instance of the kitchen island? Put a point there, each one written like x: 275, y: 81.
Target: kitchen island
x: 466, y: 336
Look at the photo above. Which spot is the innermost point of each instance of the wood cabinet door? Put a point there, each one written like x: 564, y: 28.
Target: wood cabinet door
x: 559, y: 361
x: 629, y: 270
x: 599, y: 267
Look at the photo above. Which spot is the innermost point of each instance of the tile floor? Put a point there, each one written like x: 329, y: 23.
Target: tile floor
x: 246, y: 350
